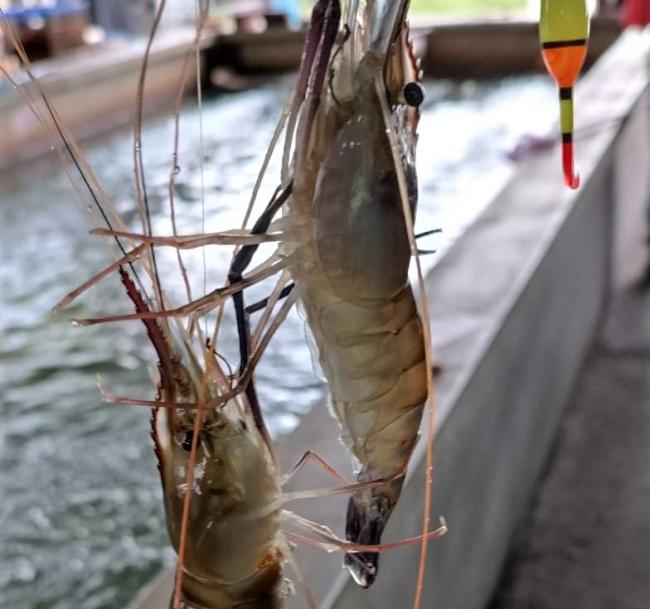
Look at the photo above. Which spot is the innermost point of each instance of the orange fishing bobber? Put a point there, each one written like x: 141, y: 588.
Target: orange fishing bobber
x: 564, y: 32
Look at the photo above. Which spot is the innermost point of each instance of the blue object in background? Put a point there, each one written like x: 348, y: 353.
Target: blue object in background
x: 20, y: 14
x: 289, y: 8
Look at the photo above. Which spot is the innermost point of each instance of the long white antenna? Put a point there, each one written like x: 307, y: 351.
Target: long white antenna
x: 199, y: 94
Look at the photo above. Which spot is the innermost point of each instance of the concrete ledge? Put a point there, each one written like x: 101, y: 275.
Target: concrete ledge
x: 514, y: 306
x: 93, y: 94
x: 474, y: 48
x: 469, y: 49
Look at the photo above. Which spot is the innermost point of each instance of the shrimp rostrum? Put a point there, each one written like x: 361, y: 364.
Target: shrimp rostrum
x: 360, y: 85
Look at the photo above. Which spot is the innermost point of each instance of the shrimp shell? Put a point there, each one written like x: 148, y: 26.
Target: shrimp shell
x: 352, y: 273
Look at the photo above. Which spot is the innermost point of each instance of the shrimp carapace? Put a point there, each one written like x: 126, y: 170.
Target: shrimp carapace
x: 351, y: 274
x: 564, y: 33
x: 232, y: 550
x: 231, y: 545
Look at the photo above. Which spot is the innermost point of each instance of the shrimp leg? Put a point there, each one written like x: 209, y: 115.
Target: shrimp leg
x: 240, y: 263
x: 262, y: 304
x: 204, y: 304
x: 238, y: 238
x: 311, y: 456
x: 243, y: 327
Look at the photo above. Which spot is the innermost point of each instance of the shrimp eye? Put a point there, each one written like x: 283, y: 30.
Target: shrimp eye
x: 413, y: 94
x: 187, y: 440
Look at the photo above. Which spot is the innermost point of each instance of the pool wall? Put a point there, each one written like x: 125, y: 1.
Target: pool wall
x: 93, y: 92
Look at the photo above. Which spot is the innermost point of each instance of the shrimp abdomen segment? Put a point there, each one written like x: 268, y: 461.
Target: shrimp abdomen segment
x: 378, y: 379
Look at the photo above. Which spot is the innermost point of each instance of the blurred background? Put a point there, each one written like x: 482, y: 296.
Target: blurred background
x: 80, y: 512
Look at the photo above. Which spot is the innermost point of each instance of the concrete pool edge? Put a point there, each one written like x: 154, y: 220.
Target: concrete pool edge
x: 105, y: 80
x: 537, y: 255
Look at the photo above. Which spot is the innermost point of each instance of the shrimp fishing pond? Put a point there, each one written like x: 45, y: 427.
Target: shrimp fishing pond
x: 81, y: 520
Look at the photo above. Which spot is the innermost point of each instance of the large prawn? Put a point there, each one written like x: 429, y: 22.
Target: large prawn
x: 354, y: 194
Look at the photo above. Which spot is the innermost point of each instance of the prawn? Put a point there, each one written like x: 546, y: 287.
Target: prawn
x: 351, y: 274
x: 231, y: 550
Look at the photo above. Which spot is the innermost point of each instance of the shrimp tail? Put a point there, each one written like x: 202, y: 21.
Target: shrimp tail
x: 367, y: 515
x: 365, y: 522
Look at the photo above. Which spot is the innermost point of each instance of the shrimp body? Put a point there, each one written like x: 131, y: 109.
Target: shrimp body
x: 232, y: 550
x: 352, y: 269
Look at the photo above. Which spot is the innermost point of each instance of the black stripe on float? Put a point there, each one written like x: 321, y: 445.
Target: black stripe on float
x: 566, y: 93
x: 567, y: 138
x: 558, y: 44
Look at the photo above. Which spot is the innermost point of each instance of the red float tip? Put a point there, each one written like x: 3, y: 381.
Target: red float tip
x: 571, y: 178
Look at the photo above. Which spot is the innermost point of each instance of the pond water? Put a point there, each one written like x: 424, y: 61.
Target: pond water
x: 80, y: 511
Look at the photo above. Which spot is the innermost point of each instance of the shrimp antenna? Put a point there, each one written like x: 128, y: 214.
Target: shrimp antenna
x: 175, y: 168
x: 141, y: 187
x: 89, y: 180
x: 321, y: 536
x: 426, y: 329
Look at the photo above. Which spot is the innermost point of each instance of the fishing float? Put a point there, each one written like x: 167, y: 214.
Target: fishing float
x: 564, y: 33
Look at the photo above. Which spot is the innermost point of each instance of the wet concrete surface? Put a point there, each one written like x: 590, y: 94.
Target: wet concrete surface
x: 585, y: 543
